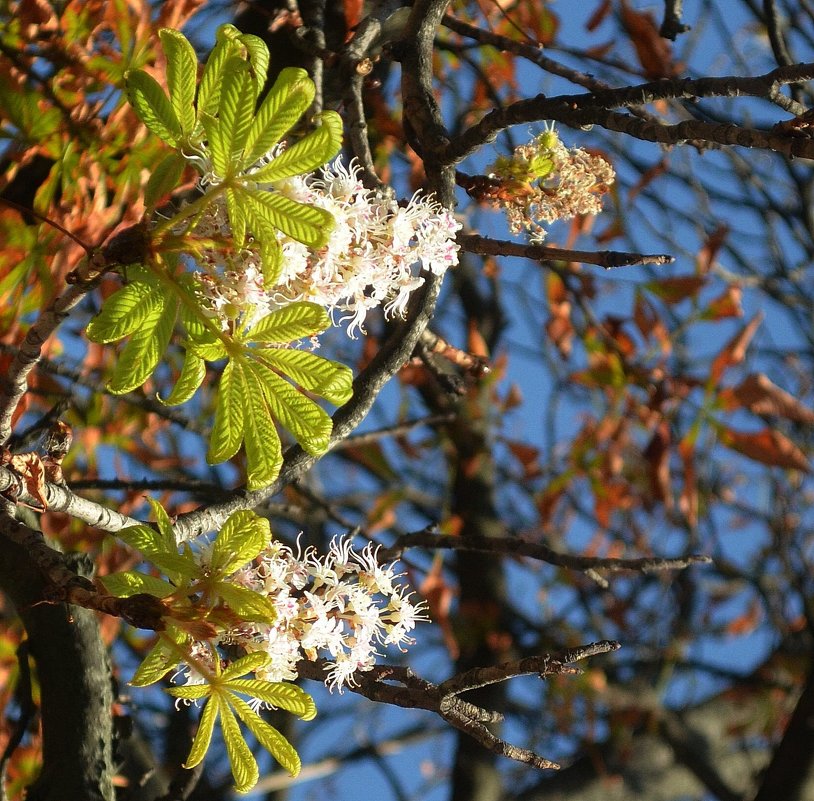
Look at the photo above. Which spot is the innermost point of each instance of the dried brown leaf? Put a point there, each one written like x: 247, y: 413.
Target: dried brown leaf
x: 766, y: 446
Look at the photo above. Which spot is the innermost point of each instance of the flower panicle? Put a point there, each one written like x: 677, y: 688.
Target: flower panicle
x: 544, y: 181
x: 344, y: 606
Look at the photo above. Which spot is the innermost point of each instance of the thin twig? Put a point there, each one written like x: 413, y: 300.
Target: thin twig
x: 513, y: 546
x: 608, y: 259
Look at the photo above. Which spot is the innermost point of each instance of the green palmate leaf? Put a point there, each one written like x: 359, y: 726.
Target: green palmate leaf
x: 237, y: 218
x: 143, y: 538
x: 190, y: 692
x: 259, y: 57
x: 182, y: 74
x: 314, y: 150
x: 271, y: 258
x: 330, y: 380
x: 292, y: 93
x: 145, y: 348
x: 278, y: 694
x: 236, y: 110
x: 191, y: 377
x: 310, y: 424
x: 125, y: 310
x: 240, y: 539
x: 164, y: 179
x: 202, y: 341
x: 176, y: 565
x: 268, y: 736
x: 264, y: 455
x: 227, y: 432
x: 123, y: 585
x: 246, y: 664
x: 241, y: 761
x: 295, y: 321
x: 160, y: 660
x: 247, y: 604
x: 212, y: 78
x: 307, y: 224
x: 152, y: 106
x: 217, y: 148
x: 203, y: 737
x: 164, y: 524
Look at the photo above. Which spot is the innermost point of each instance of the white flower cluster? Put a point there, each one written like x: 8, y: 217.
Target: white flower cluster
x: 343, y: 606
x: 544, y: 180
x: 370, y: 260
x: 375, y: 245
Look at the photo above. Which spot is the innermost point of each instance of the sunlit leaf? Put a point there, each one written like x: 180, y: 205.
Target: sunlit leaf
x: 124, y: 311
x: 328, y: 379
x: 227, y: 432
x: 241, y: 761
x: 281, y: 695
x: 246, y: 664
x: 291, y: 322
x: 307, y: 224
x: 182, y: 74
x: 268, y: 736
x: 240, y: 539
x: 263, y: 450
x: 152, y: 106
x: 286, y: 102
x: 314, y: 150
x: 131, y: 582
x: 203, y: 737
x: 164, y: 179
x: 310, y: 424
x: 191, y: 377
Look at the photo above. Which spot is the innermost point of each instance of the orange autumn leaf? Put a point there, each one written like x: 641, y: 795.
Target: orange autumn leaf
x: 760, y: 395
x: 734, y: 351
x: 653, y: 51
x: 766, y: 446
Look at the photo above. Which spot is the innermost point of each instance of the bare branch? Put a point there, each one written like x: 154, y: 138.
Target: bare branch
x: 579, y: 111
x: 608, y: 259
x: 513, y: 546
x: 418, y: 693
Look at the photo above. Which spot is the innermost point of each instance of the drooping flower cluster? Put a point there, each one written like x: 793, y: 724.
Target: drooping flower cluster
x: 371, y: 258
x: 544, y: 181
x: 374, y: 249
x: 341, y: 606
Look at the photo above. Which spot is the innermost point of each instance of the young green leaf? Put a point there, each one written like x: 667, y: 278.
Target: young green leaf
x: 241, y: 761
x: 292, y: 93
x: 211, y: 81
x: 310, y: 424
x: 125, y: 311
x: 279, y: 694
x: 164, y: 524
x: 328, y: 379
x: 267, y: 736
x: 247, y: 604
x: 191, y: 377
x: 240, y: 539
x: 164, y: 179
x: 236, y: 110
x: 203, y: 737
x: 161, y: 659
x: 143, y: 538
x: 310, y: 152
x: 246, y: 664
x: 295, y: 321
x: 123, y: 585
x: 152, y: 106
x: 307, y: 224
x: 263, y: 450
x: 227, y: 432
x: 190, y: 692
x: 145, y: 348
x: 182, y: 74
x: 259, y: 57
x: 217, y: 148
